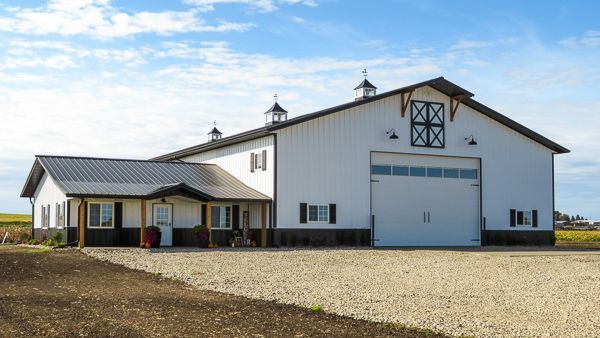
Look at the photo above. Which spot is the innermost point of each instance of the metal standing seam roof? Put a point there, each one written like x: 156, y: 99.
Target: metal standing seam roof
x: 101, y: 177
x: 440, y: 83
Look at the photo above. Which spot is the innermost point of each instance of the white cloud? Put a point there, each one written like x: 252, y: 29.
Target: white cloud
x: 590, y: 38
x: 103, y: 21
x: 470, y: 44
x: 261, y: 5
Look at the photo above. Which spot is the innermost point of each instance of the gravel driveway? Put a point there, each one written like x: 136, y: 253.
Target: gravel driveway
x: 480, y: 293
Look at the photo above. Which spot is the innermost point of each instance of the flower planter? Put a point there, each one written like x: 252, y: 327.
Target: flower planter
x: 203, y: 239
x: 156, y: 243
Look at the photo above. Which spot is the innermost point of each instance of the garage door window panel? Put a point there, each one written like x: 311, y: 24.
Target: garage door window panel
x: 418, y: 171
x: 381, y: 170
x: 400, y: 170
x: 434, y: 172
x: 427, y: 124
x: 468, y: 174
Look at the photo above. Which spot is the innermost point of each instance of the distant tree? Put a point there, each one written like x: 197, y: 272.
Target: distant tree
x: 578, y: 218
x: 572, y: 218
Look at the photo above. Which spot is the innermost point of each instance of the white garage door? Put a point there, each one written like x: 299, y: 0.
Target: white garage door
x: 422, y: 200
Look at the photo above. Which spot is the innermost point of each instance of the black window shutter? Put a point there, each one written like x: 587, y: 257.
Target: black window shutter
x: 235, y: 218
x: 251, y: 162
x: 264, y: 160
x: 332, y: 214
x: 203, y: 215
x: 534, y: 221
x: 303, y: 207
x: 513, y: 217
x: 118, y: 215
x: 68, y: 213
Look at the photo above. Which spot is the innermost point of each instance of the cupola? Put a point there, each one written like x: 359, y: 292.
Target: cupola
x: 365, y: 89
x: 214, y: 134
x: 275, y: 114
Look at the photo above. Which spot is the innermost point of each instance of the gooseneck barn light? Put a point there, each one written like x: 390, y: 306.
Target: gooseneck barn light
x: 472, y: 142
x: 392, y: 133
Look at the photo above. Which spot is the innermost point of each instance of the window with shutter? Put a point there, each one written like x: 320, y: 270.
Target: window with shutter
x: 264, y: 160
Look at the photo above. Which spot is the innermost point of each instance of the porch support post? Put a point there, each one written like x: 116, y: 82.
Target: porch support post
x: 81, y: 221
x: 142, y: 222
x: 263, y: 238
x: 209, y: 220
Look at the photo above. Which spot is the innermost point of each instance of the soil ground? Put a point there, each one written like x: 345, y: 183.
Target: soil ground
x: 65, y: 293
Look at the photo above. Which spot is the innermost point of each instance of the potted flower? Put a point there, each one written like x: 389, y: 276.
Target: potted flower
x: 152, y: 236
x: 203, y: 235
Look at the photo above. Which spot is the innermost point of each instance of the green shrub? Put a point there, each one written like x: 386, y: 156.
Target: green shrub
x: 48, y: 242
x: 33, y: 242
x: 578, y: 235
x: 57, y: 238
x: 316, y: 307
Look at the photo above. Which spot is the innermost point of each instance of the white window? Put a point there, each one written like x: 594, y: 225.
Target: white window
x: 220, y: 217
x: 60, y: 215
x: 318, y: 213
x: 100, y: 215
x: 524, y: 218
x: 258, y: 161
x: 45, y: 212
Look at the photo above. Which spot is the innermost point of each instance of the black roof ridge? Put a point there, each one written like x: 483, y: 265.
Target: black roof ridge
x: 120, y: 159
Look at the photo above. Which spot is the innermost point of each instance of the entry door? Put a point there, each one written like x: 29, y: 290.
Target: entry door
x: 163, y: 218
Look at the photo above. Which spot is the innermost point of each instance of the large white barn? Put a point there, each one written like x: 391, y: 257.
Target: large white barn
x: 423, y: 165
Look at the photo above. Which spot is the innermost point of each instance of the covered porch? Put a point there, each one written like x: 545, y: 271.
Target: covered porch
x: 109, y: 202
x: 121, y: 222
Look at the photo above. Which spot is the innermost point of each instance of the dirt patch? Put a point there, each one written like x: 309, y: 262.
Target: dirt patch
x: 65, y: 293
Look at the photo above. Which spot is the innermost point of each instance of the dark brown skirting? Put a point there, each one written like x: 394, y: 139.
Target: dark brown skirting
x: 322, y: 237
x: 516, y: 237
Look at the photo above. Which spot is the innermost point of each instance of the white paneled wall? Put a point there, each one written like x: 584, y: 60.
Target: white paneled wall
x: 236, y: 160
x: 47, y: 193
x: 326, y: 160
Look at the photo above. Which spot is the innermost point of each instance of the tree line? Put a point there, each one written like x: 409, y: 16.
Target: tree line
x: 558, y: 216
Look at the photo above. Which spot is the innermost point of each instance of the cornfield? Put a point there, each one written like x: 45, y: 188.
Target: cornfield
x: 578, y: 235
x: 16, y: 233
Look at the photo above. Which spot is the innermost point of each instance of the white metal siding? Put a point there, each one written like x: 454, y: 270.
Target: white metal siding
x: 326, y: 160
x: 236, y: 160
x: 47, y: 192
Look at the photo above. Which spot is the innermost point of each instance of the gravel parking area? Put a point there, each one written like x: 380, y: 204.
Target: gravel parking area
x: 477, y: 293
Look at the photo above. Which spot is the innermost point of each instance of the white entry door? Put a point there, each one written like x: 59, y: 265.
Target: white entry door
x: 163, y: 218
x: 425, y: 200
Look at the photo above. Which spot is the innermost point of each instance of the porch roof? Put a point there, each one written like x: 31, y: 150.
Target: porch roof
x: 104, y: 178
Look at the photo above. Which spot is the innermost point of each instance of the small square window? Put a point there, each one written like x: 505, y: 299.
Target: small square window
x: 318, y: 213
x: 523, y: 217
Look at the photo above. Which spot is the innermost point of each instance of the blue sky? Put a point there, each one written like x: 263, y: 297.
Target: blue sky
x: 136, y: 79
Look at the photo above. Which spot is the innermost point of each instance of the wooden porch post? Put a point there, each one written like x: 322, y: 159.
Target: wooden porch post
x: 81, y: 224
x: 263, y: 237
x: 142, y: 222
x: 209, y: 220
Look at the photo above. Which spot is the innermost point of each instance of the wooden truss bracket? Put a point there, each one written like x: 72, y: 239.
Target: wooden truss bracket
x: 405, y: 100
x: 454, y: 103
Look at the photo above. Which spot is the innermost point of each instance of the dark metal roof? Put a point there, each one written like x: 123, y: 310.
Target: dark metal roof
x: 365, y: 84
x: 439, y: 83
x: 100, y: 177
x: 276, y: 108
x: 215, y: 131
